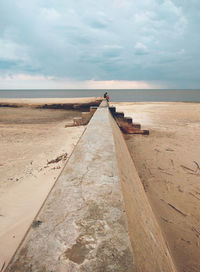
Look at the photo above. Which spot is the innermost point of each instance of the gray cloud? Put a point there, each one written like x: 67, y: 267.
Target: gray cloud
x: 141, y: 49
x: 154, y: 40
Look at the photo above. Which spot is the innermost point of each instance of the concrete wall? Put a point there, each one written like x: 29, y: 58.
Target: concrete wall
x: 149, y: 248
x: 82, y: 226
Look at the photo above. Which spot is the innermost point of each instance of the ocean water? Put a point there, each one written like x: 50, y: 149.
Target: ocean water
x: 115, y: 95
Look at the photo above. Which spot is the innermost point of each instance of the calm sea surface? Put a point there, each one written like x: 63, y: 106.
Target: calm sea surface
x: 115, y: 95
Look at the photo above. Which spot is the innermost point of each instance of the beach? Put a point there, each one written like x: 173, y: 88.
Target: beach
x: 35, y: 145
x: 168, y: 162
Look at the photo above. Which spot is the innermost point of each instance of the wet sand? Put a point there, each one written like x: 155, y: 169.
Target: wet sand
x: 168, y: 162
x: 34, y: 147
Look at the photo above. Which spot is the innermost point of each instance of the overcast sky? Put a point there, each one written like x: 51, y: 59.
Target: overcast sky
x: 99, y: 44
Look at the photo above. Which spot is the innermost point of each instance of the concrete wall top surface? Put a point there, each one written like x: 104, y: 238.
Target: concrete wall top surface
x: 82, y: 223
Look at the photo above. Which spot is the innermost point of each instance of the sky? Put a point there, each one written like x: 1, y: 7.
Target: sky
x: 99, y: 44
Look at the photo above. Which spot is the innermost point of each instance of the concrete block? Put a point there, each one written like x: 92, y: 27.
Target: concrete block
x: 119, y: 114
x: 71, y: 124
x: 77, y: 121
x: 136, y: 125
x: 93, y: 109
x: 133, y: 130
x: 112, y: 110
x: 86, y: 117
x: 129, y: 120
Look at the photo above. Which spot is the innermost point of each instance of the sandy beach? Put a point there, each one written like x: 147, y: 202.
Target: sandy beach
x: 34, y: 145
x: 168, y: 162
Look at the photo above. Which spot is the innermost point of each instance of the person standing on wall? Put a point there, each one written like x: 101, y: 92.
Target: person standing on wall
x: 107, y: 97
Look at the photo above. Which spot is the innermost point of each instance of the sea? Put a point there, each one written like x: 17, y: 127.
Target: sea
x: 120, y: 95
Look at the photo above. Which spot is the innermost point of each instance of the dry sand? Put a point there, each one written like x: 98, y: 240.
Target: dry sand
x: 29, y: 138
x: 168, y: 163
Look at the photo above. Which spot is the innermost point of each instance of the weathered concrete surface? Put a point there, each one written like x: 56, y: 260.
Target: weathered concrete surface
x: 149, y: 248
x: 82, y: 225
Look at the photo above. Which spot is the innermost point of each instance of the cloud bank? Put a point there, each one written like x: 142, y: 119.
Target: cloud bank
x: 149, y: 43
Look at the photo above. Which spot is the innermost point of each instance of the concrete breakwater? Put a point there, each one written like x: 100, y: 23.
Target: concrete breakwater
x: 82, y: 104
x: 97, y: 216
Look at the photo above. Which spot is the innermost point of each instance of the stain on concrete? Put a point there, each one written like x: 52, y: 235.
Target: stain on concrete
x: 78, y: 252
x: 109, y: 259
x: 94, y: 211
